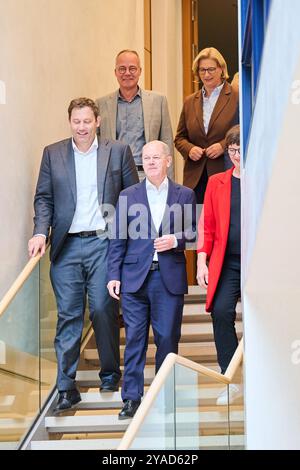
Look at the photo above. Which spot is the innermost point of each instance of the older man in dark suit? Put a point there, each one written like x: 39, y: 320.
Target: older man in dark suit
x: 78, y: 176
x: 148, y: 266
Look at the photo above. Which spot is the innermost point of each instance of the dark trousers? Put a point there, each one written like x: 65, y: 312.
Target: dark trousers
x: 152, y: 304
x: 224, y: 310
x: 200, y: 189
x: 78, y: 273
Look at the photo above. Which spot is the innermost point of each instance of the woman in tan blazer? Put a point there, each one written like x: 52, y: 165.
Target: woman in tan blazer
x: 205, y: 118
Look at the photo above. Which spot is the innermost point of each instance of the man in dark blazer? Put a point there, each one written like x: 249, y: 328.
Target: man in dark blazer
x: 78, y: 176
x: 154, y: 221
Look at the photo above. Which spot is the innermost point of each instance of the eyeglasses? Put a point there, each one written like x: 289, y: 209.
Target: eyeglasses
x: 132, y: 69
x: 210, y: 70
x: 233, y: 151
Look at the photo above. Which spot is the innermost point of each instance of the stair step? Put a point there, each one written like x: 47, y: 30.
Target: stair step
x: 100, y: 401
x: 76, y: 444
x: 186, y: 396
x: 202, y: 352
x: 198, y: 311
x: 85, y: 424
x: 213, y: 442
x: 90, y: 378
x: 187, y: 443
x: 185, y: 422
x: 190, y: 333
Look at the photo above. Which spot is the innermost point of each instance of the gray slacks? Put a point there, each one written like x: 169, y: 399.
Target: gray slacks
x: 80, y: 273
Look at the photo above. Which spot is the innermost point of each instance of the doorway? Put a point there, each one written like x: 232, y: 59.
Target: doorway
x: 212, y: 23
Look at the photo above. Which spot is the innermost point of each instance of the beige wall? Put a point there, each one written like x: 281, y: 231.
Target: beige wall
x: 167, y: 60
x: 51, y: 51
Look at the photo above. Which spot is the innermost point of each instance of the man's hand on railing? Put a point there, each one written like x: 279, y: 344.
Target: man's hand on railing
x: 37, y: 245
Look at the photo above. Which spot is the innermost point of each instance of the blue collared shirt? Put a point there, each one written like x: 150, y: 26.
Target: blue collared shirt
x: 130, y: 125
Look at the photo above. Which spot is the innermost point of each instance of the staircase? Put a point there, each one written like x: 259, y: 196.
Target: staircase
x: 94, y: 423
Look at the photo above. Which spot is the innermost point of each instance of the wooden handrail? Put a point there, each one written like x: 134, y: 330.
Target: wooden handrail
x: 18, y: 283
x: 160, y: 379
x: 235, y: 361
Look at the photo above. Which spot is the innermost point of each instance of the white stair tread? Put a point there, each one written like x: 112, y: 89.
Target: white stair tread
x: 106, y: 423
x: 95, y: 400
x: 101, y: 423
x: 199, y: 309
x: 191, y: 442
x: 196, y: 290
x: 92, y: 376
x: 100, y: 401
x: 203, y: 328
x: 76, y: 444
x: 201, y: 350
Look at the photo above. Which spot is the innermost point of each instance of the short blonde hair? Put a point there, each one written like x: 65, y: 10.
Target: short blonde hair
x: 214, y: 54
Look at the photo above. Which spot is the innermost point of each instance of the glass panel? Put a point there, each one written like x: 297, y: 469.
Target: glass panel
x: 48, y: 320
x: 19, y: 363
x: 158, y: 430
x: 191, y: 412
x: 236, y: 411
x: 200, y: 422
x: 27, y: 356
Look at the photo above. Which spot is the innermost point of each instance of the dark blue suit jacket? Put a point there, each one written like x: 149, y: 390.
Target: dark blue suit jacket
x: 130, y: 257
x: 56, y: 196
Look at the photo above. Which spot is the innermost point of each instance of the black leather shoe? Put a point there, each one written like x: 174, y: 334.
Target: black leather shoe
x: 109, y: 386
x: 129, y: 409
x: 67, y: 400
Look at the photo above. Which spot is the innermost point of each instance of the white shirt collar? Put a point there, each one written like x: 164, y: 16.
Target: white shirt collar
x: 152, y: 187
x: 216, y: 91
x: 91, y: 149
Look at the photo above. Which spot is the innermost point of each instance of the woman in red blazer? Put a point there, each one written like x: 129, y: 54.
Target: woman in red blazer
x: 219, y: 241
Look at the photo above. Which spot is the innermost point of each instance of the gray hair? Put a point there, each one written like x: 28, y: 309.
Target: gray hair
x: 165, y: 150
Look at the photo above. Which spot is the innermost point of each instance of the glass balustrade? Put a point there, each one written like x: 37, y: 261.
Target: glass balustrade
x: 27, y: 356
x: 186, y: 415
x: 236, y: 411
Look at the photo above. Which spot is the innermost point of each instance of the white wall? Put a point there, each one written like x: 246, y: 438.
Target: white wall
x: 51, y: 52
x: 271, y: 234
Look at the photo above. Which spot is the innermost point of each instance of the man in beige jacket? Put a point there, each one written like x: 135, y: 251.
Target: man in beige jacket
x: 132, y: 115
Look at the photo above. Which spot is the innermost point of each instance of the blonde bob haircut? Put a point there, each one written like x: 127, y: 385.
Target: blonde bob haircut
x: 214, y: 54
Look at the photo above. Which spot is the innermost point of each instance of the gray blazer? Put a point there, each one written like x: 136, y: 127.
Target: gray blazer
x: 157, y: 123
x: 55, y: 198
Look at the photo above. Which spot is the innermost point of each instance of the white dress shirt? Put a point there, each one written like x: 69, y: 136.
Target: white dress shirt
x: 87, y: 214
x: 209, y: 102
x: 157, y: 199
